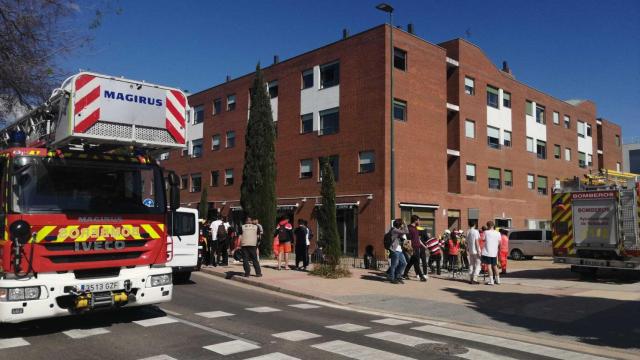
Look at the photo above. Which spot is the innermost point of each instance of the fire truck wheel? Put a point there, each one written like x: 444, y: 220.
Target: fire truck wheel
x: 516, y: 254
x: 181, y: 277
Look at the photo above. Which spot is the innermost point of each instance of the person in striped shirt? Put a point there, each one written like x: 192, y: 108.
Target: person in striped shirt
x: 434, y: 245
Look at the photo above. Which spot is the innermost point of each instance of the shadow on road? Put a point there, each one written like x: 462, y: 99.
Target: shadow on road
x: 594, y: 321
x: 84, y: 321
x: 605, y: 276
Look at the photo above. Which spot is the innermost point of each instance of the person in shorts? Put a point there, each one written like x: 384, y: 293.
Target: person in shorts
x: 490, y: 252
x: 284, y: 232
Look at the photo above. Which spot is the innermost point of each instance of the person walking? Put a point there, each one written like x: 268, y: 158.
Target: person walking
x: 504, y: 250
x: 490, y: 252
x: 473, y: 250
x: 214, y: 244
x: 453, y: 251
x: 222, y: 235
x: 424, y: 251
x: 248, y: 247
x: 256, y: 222
x: 434, y: 245
x: 483, y: 266
x: 416, y: 245
x: 284, y: 232
x: 301, y: 234
x: 396, y: 258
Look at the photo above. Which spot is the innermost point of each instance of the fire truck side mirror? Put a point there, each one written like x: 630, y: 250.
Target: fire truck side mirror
x: 174, y: 191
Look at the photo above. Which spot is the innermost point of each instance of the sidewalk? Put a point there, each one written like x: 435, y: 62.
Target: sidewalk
x: 536, y: 298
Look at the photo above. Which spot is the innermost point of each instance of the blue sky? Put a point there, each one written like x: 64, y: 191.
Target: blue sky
x: 570, y: 49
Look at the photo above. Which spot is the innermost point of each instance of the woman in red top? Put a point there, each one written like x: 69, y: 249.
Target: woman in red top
x: 454, y: 249
x: 504, y: 250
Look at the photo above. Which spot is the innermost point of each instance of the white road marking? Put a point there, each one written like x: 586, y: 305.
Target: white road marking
x: 296, y: 335
x: 171, y: 312
x: 156, y: 321
x: 274, y: 356
x: 305, y: 306
x: 359, y: 352
x: 213, y: 314
x: 83, y: 333
x: 401, y: 339
x: 391, y: 321
x: 215, y: 331
x: 263, y: 309
x: 13, y: 342
x: 231, y: 347
x: 509, y: 344
x: 475, y: 354
x: 159, y: 357
x: 348, y: 327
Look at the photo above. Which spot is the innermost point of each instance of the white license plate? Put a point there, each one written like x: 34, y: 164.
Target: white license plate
x: 594, y: 263
x: 105, y: 286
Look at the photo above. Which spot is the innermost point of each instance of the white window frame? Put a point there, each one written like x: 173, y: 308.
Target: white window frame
x: 471, y: 129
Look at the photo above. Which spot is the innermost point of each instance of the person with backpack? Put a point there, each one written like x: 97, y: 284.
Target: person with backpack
x: 214, y: 244
x: 284, y: 233
x: 249, y: 243
x: 222, y: 237
x: 397, y: 261
x: 416, y: 245
x: 302, y: 245
x: 434, y: 245
x: 473, y: 250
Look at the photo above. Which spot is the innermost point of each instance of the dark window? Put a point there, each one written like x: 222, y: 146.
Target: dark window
x: 617, y: 140
x: 273, y: 89
x: 469, y: 86
x: 556, y: 151
x: 542, y: 185
x: 493, y: 137
x: 307, y: 79
x: 306, y: 171
x: 588, y: 130
x: 508, y: 178
x: 541, y: 149
x: 367, y: 161
x: 334, y: 162
x: 529, y: 108
x: 198, y: 114
x: 567, y: 122
x: 507, y: 138
x: 506, y: 99
x: 184, y: 180
x: 231, y: 102
x: 540, y: 114
x: 492, y: 96
x: 231, y: 139
x: 196, y: 183
x: 196, y: 149
x: 399, y: 59
x: 494, y: 179
x: 549, y: 235
x: 329, y: 75
x: 217, y: 106
x: 215, y: 177
x: 228, y: 177
x: 215, y: 142
x: 306, y: 123
x: 329, y: 121
x: 531, y: 235
x: 582, y: 159
x: 400, y: 110
x: 182, y: 224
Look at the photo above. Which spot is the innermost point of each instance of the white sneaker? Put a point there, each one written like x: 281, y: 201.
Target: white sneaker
x: 489, y: 282
x: 498, y: 280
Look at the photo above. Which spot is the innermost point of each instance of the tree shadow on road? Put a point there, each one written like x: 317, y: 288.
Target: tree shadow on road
x: 604, y: 276
x: 591, y: 320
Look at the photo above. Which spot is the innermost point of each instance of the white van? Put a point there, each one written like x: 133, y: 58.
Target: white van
x: 525, y: 244
x: 183, y: 246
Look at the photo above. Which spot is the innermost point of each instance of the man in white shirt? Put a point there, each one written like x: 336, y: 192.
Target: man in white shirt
x: 490, y: 252
x: 473, y: 249
x: 216, y: 247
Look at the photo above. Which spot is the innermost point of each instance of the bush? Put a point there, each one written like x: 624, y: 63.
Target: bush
x: 330, y: 271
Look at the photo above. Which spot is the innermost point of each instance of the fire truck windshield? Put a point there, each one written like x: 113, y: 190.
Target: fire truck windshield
x: 53, y: 185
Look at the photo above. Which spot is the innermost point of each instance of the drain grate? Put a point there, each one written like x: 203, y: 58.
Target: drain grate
x: 443, y: 349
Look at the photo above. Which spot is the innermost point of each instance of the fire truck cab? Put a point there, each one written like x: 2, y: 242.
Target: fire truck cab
x: 83, y: 203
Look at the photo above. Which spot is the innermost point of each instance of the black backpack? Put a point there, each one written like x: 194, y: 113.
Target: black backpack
x: 283, y: 234
x: 388, y: 239
x: 221, y: 232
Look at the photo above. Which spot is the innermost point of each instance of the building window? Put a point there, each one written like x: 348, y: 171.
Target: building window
x: 507, y: 138
x: 307, y: 79
x: 306, y: 123
x: 329, y: 121
x: 529, y: 108
x: 618, y: 140
x: 399, y: 59
x: 231, y: 102
x: 556, y: 183
x: 273, y: 89
x: 196, y: 183
x: 492, y: 96
x: 217, y: 106
x: 198, y: 114
x: 567, y: 154
x: 506, y: 99
x: 556, y: 151
x: 305, y: 169
x: 589, y: 160
x: 508, y: 178
x: 366, y: 161
x: 567, y: 122
x: 471, y: 172
x: 588, y: 130
x: 184, y: 180
x: 493, y: 137
x: 329, y: 75
x: 541, y: 149
x: 228, y: 177
x: 215, y: 176
x: 530, y: 181
x: 582, y: 159
x: 530, y: 144
x: 399, y: 110
x: 618, y: 167
x: 215, y: 142
x: 470, y: 129
x: 231, y: 139
x: 185, y: 150
x: 196, y: 148
x: 542, y: 185
x: 540, y: 114
x: 581, y: 129
x: 164, y: 156
x: 556, y: 118
x: 334, y: 162
x: 469, y: 86
x: 494, y: 179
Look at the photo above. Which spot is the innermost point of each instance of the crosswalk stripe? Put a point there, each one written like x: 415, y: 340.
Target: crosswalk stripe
x: 231, y: 347
x: 263, y: 309
x: 159, y: 357
x: 401, y: 339
x: 156, y: 321
x: 13, y: 342
x: 296, y: 335
x: 171, y: 312
x: 509, y: 344
x: 475, y: 354
x: 213, y: 314
x: 391, y: 321
x: 305, y: 306
x: 359, y: 352
x: 348, y: 327
x: 274, y: 356
x: 83, y: 333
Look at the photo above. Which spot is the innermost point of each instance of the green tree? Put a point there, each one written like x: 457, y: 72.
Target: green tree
x: 258, y: 189
x: 203, y: 207
x: 327, y: 215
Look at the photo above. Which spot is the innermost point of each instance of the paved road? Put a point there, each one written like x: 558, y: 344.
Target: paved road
x: 213, y: 319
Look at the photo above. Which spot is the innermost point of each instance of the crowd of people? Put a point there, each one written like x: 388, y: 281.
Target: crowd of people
x: 476, y: 251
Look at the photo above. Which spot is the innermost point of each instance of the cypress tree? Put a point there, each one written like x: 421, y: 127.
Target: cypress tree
x: 258, y: 189
x: 327, y: 215
x: 203, y: 207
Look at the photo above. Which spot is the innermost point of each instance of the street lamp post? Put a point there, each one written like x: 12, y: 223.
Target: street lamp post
x: 389, y: 9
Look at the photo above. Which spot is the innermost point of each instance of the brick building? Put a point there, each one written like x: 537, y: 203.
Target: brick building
x: 472, y: 143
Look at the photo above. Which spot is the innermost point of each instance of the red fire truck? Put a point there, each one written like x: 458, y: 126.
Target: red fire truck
x: 83, y: 205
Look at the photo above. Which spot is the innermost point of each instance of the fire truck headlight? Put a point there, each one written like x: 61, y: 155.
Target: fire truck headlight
x: 20, y: 294
x: 160, y: 280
